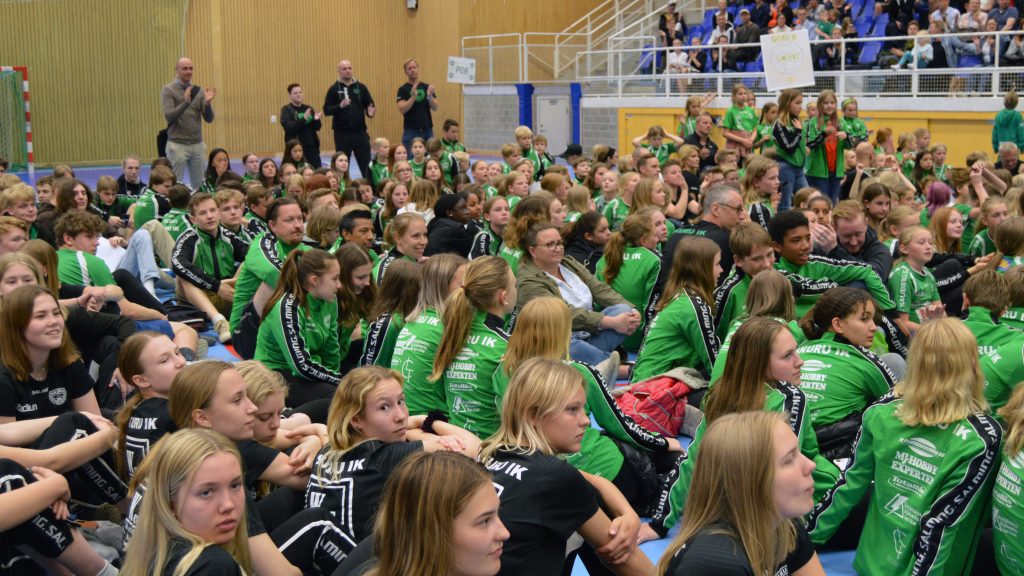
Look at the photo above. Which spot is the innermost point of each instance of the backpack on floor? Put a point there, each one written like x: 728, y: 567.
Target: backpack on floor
x: 178, y: 311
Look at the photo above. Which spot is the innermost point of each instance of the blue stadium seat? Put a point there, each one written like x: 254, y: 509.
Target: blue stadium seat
x: 695, y: 30
x: 969, y: 61
x: 879, y: 26
x: 869, y: 53
x: 709, y: 18
x: 757, y: 65
x: 862, y: 28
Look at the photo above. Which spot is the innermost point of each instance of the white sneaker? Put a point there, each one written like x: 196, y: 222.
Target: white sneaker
x: 912, y: 66
x: 895, y: 66
x: 609, y: 370
x: 223, y: 329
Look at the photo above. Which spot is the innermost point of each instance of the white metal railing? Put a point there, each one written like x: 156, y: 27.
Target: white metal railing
x: 499, y: 57
x: 632, y: 71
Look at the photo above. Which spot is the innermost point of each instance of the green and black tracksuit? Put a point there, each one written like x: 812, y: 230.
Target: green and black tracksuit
x: 779, y: 397
x: 912, y: 290
x: 637, y: 282
x: 929, y: 492
x: 379, y: 340
x: 204, y: 260
x: 413, y: 358
x: 302, y: 341
x: 262, y: 265
x: 681, y: 334
x: 486, y: 243
x: 382, y: 265
x: 1008, y: 514
x: 840, y: 380
x: 723, y: 351
x: 730, y: 301
x: 1013, y: 317
x: 467, y: 382
x: 1003, y: 369
x: 990, y: 334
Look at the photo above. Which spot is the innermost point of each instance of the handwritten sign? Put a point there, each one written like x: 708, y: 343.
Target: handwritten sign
x: 787, y: 60
x: 461, y: 70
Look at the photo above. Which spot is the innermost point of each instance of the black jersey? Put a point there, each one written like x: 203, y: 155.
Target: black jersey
x: 52, y: 396
x: 149, y: 421
x: 351, y: 487
x: 256, y: 458
x: 714, y: 552
x: 212, y: 561
x: 543, y: 501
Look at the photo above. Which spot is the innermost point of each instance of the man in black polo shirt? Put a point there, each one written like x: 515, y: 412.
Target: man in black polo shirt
x: 415, y: 101
x: 722, y: 208
x: 701, y: 138
x: 350, y: 103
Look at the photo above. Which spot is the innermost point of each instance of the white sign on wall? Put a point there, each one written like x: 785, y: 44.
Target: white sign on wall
x: 461, y: 70
x: 787, y: 60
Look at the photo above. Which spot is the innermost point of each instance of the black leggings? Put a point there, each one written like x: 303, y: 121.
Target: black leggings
x: 135, y: 292
x: 312, y: 542
x: 94, y: 483
x: 43, y: 532
x: 302, y: 391
x: 104, y: 353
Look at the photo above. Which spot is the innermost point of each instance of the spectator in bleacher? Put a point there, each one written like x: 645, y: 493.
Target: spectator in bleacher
x: 844, y: 8
x: 945, y: 13
x: 901, y: 13
x: 781, y: 24
x: 1005, y: 15
x: 722, y: 11
x: 920, y: 56
x: 987, y: 44
x: 671, y: 27
x: 760, y: 14
x: 804, y: 22
x: 722, y: 28
x: 718, y: 56
x: 747, y: 33
x: 782, y: 8
x: 678, y: 62
x: 972, y: 20
x: 829, y: 55
x: 1014, y: 55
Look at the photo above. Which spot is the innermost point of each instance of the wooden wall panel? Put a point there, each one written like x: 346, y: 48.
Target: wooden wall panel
x: 97, y: 66
x: 95, y: 72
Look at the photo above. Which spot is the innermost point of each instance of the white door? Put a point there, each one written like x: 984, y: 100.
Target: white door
x: 553, y: 119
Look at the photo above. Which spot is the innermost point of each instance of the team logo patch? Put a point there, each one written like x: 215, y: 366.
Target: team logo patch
x: 58, y: 396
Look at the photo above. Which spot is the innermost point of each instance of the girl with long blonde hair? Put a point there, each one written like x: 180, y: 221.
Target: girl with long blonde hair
x: 369, y: 425
x: 543, y: 416
x: 751, y: 485
x: 760, y: 189
x: 936, y: 424
x: 193, y: 514
x: 472, y: 342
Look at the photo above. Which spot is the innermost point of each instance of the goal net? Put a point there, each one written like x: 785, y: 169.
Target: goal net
x: 14, y: 126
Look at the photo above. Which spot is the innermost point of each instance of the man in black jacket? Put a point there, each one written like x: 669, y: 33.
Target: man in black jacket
x: 855, y: 241
x: 350, y: 103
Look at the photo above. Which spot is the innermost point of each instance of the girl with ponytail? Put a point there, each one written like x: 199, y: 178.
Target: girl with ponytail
x: 298, y: 336
x: 631, y: 265
x: 473, y: 329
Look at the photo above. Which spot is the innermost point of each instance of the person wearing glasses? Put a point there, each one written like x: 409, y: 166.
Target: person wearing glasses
x: 544, y: 271
x: 722, y: 211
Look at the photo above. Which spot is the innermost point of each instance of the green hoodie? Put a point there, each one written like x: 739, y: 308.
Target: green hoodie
x: 1007, y: 128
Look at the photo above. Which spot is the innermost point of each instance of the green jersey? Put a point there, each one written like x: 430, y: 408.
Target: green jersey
x: 741, y: 119
x: 730, y: 301
x: 1003, y: 370
x: 929, y: 492
x: 990, y: 334
x: 467, y: 382
x: 146, y: 208
x: 1008, y: 514
x: 262, y: 265
x: 302, y: 340
x: 723, y: 351
x: 534, y: 158
x: 486, y: 243
x: 856, y: 131
x: 417, y: 167
x: 764, y: 132
x: 599, y: 455
x: 636, y: 281
x: 452, y: 146
x: 572, y: 216
x: 489, y: 192
x: 381, y: 266
x: 176, y: 222
x: 378, y: 173
x: 821, y: 273
x: 968, y: 236
x: 1013, y: 317
x: 840, y: 378
x: 982, y: 244
x: 779, y: 397
x: 681, y: 334
x: 512, y: 256
x: 662, y: 152
x: 912, y: 290
x: 413, y: 357
x: 203, y: 260
x: 82, y: 269
x: 686, y: 127
x: 449, y: 164
x: 379, y: 340
x: 616, y: 212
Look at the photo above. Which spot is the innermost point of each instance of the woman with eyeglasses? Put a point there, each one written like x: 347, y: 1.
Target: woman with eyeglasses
x: 545, y: 272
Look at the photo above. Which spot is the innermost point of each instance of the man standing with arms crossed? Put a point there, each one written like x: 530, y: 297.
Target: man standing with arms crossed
x: 416, y: 100
x: 185, y: 107
x: 350, y: 103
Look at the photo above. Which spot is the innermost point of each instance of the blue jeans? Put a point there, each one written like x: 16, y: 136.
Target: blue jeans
x: 791, y: 179
x: 409, y: 133
x: 596, y: 348
x: 139, y: 259
x: 829, y: 186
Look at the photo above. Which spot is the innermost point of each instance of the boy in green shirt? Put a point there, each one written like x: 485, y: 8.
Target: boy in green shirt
x: 450, y: 137
x: 510, y: 156
x: 379, y: 170
x: 524, y: 139
x: 176, y: 220
x: 752, y: 254
x: 986, y: 297
x: 1014, y: 315
x: 153, y: 203
x: 655, y: 142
